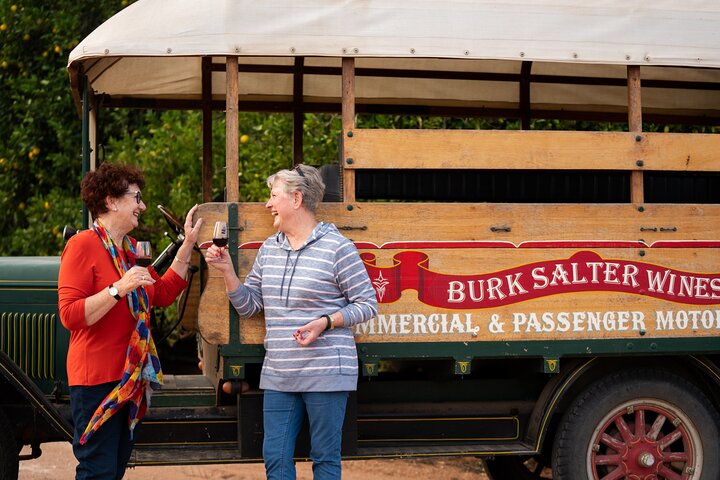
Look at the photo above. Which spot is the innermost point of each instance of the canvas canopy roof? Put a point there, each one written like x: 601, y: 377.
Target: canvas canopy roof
x: 572, y: 54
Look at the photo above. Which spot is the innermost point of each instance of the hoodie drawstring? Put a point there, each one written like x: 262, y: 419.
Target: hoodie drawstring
x: 292, y: 274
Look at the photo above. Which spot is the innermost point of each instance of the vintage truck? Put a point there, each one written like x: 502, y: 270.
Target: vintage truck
x: 549, y: 299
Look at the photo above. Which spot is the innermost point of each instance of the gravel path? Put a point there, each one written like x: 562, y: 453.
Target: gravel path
x: 57, y: 463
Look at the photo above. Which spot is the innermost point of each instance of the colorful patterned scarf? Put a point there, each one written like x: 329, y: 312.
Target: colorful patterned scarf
x: 142, y: 365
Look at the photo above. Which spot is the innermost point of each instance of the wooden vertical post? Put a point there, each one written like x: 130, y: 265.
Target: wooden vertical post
x: 298, y: 110
x: 93, y: 118
x: 232, y: 187
x: 525, y: 70
x: 207, y: 168
x: 637, y: 195
x: 89, y: 140
x: 348, y: 124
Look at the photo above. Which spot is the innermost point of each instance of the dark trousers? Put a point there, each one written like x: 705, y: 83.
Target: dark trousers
x: 106, y: 454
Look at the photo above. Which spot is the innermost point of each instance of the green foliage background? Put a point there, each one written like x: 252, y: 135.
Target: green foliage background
x: 40, y: 149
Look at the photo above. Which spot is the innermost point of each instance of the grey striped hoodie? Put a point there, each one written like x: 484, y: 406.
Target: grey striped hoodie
x: 296, y: 286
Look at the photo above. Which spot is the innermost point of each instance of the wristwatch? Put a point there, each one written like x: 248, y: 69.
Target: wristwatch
x: 113, y: 291
x: 330, y: 322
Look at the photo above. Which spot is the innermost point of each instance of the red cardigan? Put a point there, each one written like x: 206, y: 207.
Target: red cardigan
x: 97, y: 353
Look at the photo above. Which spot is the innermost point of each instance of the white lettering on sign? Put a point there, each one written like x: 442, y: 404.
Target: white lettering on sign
x: 582, y: 276
x: 605, y: 273
x: 549, y: 322
x: 683, y: 286
x: 600, y: 272
x: 688, y: 319
x: 493, y: 288
x: 418, y: 324
x: 565, y: 324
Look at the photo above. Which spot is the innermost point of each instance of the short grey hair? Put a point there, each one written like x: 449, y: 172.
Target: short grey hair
x: 303, y: 179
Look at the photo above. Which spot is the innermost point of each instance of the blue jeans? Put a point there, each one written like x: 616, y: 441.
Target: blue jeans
x: 283, y: 415
x: 106, y: 454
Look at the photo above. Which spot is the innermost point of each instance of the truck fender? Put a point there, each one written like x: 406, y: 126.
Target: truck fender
x: 560, y: 389
x: 549, y: 399
x: 25, y: 387
x: 709, y: 371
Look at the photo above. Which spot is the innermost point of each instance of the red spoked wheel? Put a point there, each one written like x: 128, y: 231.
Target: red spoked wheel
x: 639, y: 424
x: 644, y: 439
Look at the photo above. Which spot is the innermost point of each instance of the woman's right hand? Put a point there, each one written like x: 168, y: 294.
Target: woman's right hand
x: 134, y: 278
x: 219, y: 258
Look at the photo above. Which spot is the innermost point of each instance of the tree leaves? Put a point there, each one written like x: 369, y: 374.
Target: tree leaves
x: 39, y: 128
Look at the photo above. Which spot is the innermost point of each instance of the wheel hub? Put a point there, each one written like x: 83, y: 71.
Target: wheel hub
x: 642, y: 459
x: 643, y: 442
x: 646, y: 460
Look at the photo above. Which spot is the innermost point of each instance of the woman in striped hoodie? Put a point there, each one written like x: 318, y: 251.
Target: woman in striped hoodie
x: 313, y: 287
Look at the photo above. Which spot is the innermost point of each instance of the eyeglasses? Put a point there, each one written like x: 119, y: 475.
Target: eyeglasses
x: 300, y: 172
x: 138, y: 196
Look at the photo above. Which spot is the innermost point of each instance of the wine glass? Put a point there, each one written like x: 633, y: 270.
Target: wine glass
x: 143, y: 253
x: 220, y: 234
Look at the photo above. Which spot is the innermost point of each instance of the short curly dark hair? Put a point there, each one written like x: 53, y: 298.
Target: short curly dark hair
x: 108, y: 180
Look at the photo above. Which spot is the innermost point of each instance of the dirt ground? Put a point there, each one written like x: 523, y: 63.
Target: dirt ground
x: 57, y: 463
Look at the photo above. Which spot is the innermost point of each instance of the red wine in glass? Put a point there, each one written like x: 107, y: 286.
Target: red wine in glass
x: 220, y: 234
x: 143, y: 254
x: 143, y: 262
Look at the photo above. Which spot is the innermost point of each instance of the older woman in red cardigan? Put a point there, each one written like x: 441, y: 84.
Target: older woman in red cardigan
x: 105, y: 300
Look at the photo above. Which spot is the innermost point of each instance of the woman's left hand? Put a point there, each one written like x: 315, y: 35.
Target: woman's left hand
x: 183, y: 256
x: 309, y: 332
x: 192, y: 232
